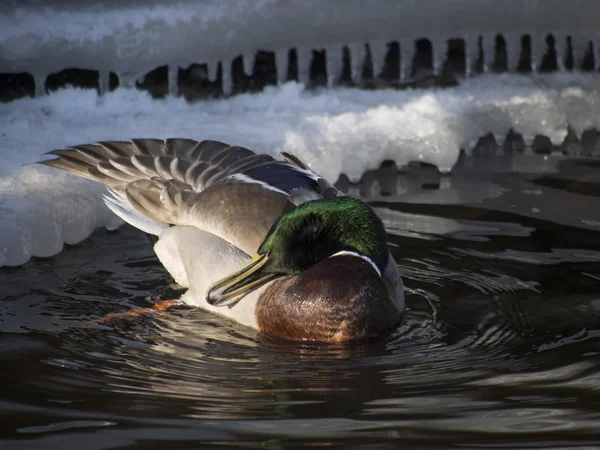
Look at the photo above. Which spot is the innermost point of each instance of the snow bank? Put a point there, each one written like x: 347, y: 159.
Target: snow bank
x: 334, y: 131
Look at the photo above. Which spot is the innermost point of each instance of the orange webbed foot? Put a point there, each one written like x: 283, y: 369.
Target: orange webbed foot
x: 161, y: 305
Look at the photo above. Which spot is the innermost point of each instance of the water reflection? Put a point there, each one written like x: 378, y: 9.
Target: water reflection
x: 499, y: 346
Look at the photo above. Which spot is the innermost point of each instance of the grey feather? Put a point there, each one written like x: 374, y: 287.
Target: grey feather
x: 152, y: 147
x: 227, y: 190
x: 122, y: 208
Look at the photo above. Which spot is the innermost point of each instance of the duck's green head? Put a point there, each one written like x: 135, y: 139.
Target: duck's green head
x: 303, y: 237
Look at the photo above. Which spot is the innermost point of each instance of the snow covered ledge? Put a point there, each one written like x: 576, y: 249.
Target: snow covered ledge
x: 334, y: 131
x: 132, y: 37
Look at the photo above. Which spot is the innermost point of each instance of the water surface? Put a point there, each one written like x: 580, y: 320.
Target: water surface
x: 499, y: 347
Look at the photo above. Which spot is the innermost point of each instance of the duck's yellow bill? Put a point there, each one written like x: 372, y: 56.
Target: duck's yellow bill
x: 233, y: 287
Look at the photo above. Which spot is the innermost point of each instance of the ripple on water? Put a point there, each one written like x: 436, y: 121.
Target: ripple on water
x: 499, y: 345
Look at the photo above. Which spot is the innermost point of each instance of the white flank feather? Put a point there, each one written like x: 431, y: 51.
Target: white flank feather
x: 196, y: 259
x: 246, y: 179
x: 122, y: 208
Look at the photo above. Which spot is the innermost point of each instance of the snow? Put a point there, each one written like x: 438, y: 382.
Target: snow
x: 334, y: 131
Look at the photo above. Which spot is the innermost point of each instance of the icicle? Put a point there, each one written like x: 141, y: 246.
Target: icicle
x: 40, y: 84
x: 173, y: 75
x: 500, y: 138
x: 560, y: 44
x: 488, y: 43
x: 588, y: 141
x: 281, y: 64
x: 576, y: 131
x: 304, y: 58
x: 121, y: 79
x: 560, y: 135
x: 407, y: 56
x: 571, y: 143
x: 471, y: 54
x: 334, y: 61
x: 103, y: 82
x: 438, y: 51
x: 513, y: 51
x: 378, y: 50
x: 579, y: 46
x: 226, y: 82
x: 213, y: 70
x: 528, y: 139
x: 538, y: 48
x: 127, y: 80
x: 248, y: 62
x: 357, y: 60
x: 470, y: 146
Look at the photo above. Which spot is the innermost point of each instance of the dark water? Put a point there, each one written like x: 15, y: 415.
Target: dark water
x: 499, y: 348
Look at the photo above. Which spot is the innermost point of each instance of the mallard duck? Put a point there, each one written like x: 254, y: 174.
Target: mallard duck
x: 265, y: 242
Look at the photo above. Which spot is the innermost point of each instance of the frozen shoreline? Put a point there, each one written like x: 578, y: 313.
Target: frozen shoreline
x: 335, y: 131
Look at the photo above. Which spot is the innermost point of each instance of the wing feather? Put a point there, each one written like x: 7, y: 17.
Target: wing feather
x: 227, y: 190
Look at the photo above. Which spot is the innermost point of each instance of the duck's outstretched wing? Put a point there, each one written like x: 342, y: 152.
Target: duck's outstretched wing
x: 116, y: 164
x: 227, y: 190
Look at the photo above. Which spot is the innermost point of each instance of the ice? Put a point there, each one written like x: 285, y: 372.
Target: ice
x: 334, y: 131
x: 173, y: 74
x: 407, y: 55
x: 538, y: 49
x: 226, y: 82
x: 334, y: 54
x: 213, y: 71
x: 378, y: 50
x: 304, y: 58
x: 128, y: 80
x: 248, y: 61
x: 40, y: 84
x: 471, y: 54
x: 133, y: 37
x: 513, y: 51
x: 578, y: 105
x: 560, y: 45
x: 488, y: 43
x: 438, y: 49
x: 42, y: 210
x: 140, y: 35
x: 357, y: 60
x: 281, y: 64
x: 104, y: 82
x: 579, y: 46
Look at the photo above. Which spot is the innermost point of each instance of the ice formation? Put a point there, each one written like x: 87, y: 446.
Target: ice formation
x: 334, y: 131
x: 132, y: 37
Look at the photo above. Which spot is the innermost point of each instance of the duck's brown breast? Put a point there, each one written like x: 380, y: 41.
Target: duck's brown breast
x: 340, y: 299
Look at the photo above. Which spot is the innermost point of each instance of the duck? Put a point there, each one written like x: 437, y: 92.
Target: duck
x: 265, y: 242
